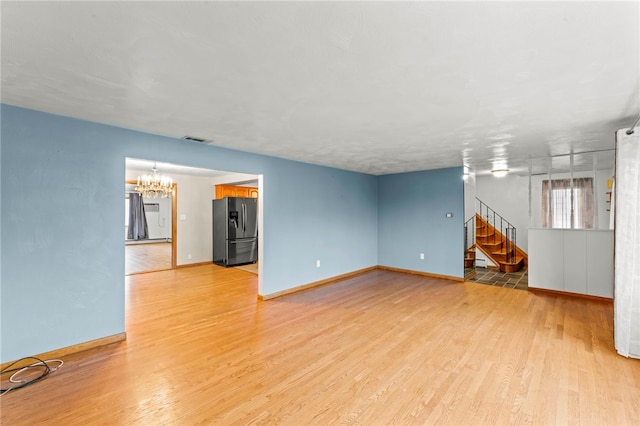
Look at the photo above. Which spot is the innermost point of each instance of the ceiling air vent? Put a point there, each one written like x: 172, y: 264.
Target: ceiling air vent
x: 195, y: 139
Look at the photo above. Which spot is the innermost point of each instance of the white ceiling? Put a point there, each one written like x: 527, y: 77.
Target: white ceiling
x: 146, y: 166
x: 377, y: 87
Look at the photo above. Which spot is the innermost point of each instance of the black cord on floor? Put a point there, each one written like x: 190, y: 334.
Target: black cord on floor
x: 14, y: 371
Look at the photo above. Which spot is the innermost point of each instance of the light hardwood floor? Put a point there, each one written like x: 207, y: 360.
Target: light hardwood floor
x: 147, y: 257
x: 249, y: 267
x: 375, y: 349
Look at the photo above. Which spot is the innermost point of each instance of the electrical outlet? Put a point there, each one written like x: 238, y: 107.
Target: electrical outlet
x: 421, y: 256
x: 189, y: 256
x: 317, y: 263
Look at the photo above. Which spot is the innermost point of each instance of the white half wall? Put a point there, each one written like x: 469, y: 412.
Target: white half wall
x: 572, y: 260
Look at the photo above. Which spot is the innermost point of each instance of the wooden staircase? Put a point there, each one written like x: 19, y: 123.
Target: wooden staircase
x: 495, y: 246
x: 470, y: 257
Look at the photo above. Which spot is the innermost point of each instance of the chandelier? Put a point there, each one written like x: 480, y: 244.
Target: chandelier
x: 154, y: 184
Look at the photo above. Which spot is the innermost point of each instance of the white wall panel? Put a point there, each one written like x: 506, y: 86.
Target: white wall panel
x: 572, y: 260
x: 546, y: 268
x: 600, y: 264
x: 575, y: 261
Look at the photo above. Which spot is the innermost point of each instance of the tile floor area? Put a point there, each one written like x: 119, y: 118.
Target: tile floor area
x: 491, y: 276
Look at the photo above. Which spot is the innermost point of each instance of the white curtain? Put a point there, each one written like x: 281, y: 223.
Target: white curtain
x: 627, y: 244
x: 568, y: 203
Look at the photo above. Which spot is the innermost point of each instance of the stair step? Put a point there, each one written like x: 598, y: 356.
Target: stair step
x: 501, y: 252
x: 493, y: 246
x: 512, y: 263
x: 512, y: 266
x: 518, y: 260
x: 491, y: 242
x: 483, y: 235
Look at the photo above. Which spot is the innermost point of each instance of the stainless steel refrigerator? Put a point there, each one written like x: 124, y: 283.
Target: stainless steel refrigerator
x: 235, y: 231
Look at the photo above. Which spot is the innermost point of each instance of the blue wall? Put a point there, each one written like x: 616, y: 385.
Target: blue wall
x: 62, y: 268
x: 412, y: 210
x: 62, y: 264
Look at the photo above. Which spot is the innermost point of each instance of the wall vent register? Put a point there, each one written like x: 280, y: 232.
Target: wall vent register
x: 152, y: 207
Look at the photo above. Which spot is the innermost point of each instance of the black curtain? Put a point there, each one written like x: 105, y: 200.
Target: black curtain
x: 138, y: 229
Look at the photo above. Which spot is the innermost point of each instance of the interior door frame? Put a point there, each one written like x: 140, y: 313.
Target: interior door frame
x: 174, y: 222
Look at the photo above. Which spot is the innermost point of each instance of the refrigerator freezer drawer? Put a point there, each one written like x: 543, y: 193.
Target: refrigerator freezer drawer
x: 242, y: 251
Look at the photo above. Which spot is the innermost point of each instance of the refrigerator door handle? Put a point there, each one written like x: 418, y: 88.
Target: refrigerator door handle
x: 244, y: 217
x: 248, y: 240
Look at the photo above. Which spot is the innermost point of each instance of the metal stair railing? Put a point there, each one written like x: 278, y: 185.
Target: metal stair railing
x: 469, y: 233
x: 507, y: 231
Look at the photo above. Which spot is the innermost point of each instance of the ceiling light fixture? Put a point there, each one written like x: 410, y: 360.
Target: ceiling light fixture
x: 500, y: 172
x: 466, y: 172
x: 154, y: 184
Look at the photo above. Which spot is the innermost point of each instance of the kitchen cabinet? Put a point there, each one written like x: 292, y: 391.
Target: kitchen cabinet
x: 253, y: 192
x: 235, y: 191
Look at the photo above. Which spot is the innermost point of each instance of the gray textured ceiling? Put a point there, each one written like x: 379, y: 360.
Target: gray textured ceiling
x: 377, y: 87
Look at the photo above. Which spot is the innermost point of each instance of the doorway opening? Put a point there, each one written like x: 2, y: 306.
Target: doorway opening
x: 191, y: 214
x: 156, y: 249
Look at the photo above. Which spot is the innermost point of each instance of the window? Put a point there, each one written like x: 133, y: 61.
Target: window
x: 568, y: 206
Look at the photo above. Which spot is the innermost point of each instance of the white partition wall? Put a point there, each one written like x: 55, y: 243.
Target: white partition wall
x: 627, y: 244
x: 572, y: 260
x: 546, y: 263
